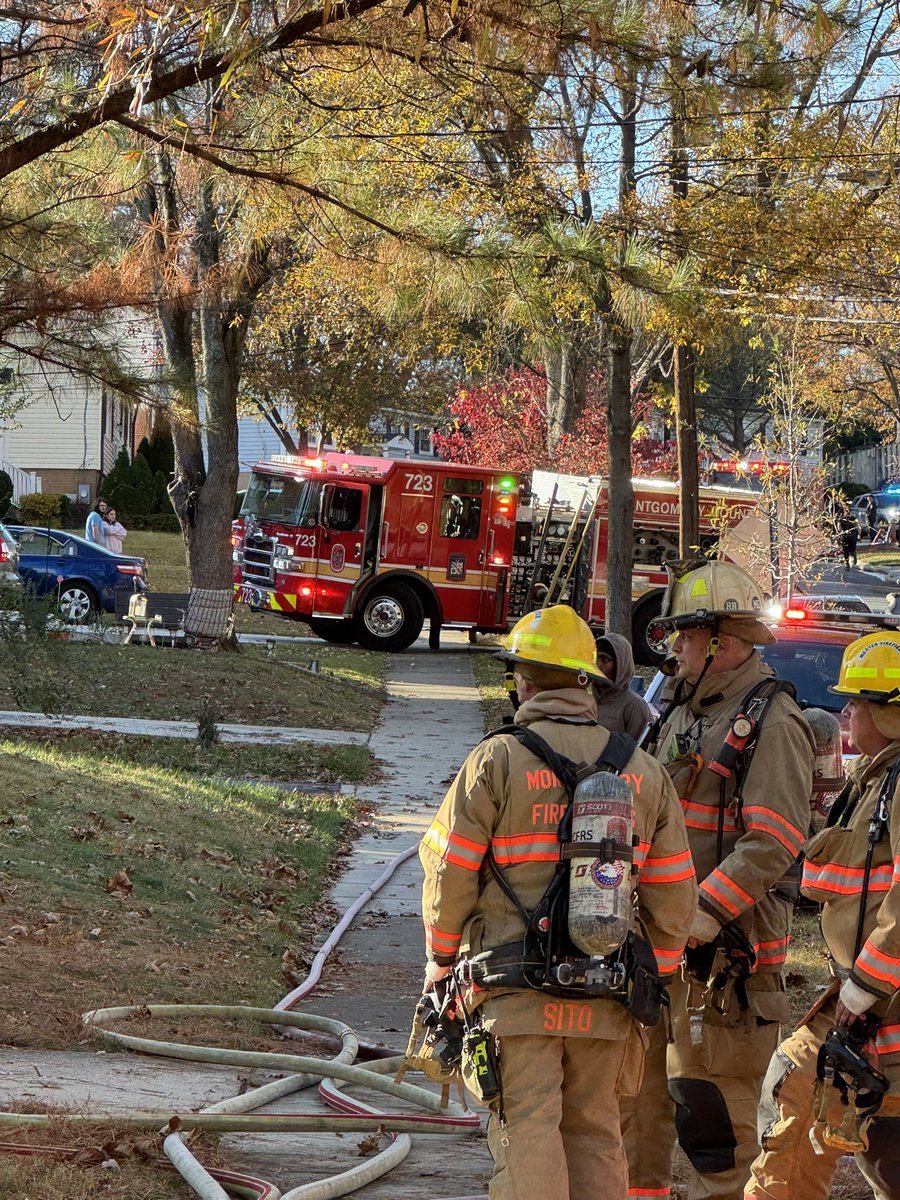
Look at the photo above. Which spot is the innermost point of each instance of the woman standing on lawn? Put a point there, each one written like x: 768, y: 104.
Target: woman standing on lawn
x: 115, y: 532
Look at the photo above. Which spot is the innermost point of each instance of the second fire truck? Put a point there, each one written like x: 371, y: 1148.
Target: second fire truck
x: 366, y: 549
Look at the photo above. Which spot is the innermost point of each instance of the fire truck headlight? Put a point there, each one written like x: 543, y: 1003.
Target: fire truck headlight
x: 237, y: 556
x: 282, y: 551
x: 282, y: 564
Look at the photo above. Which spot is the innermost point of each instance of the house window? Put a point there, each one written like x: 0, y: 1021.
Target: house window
x: 461, y: 508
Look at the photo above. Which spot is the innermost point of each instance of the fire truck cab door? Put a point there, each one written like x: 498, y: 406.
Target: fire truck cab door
x: 459, y: 548
x: 343, y: 508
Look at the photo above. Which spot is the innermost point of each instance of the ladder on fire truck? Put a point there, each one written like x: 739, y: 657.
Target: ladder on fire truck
x: 568, y: 558
x: 560, y: 579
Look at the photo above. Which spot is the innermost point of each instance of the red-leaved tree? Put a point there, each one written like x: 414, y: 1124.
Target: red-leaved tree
x: 503, y: 423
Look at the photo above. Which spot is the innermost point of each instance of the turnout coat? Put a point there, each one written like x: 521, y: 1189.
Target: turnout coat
x: 506, y: 798
x: 764, y: 820
x: 833, y: 874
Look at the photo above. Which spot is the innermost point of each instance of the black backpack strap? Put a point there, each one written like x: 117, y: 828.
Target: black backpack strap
x: 616, y: 753
x: 881, y: 820
x: 756, y: 703
x: 563, y: 768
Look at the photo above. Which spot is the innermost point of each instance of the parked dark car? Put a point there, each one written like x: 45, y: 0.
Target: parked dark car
x: 84, y: 577
x: 888, y: 502
x: 9, y: 559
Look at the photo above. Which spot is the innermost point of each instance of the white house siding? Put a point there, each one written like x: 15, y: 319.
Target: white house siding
x: 256, y: 441
x: 59, y: 426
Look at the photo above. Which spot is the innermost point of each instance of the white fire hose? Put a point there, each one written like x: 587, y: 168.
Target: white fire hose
x: 237, y: 1113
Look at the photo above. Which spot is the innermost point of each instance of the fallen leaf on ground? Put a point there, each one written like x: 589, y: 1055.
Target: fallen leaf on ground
x: 120, y: 885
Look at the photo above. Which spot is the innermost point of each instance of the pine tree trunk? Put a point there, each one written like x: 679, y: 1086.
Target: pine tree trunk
x: 565, y: 364
x: 688, y: 468
x: 620, y: 558
x: 205, y: 479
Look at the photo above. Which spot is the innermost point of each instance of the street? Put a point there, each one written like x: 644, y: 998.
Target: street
x: 830, y: 579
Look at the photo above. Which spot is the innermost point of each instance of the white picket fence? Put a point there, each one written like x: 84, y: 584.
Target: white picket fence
x: 24, y: 483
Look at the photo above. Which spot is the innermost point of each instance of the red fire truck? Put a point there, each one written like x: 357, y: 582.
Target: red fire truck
x: 365, y: 549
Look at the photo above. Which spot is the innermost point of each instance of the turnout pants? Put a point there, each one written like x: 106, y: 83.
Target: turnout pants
x: 561, y: 1140
x: 703, y: 1089
x: 788, y: 1166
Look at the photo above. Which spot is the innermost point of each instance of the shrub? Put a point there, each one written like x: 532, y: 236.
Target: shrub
x: 165, y: 522
x: 159, y: 452
x: 134, y: 487
x: 6, y: 492
x: 40, y: 508
x: 851, y: 490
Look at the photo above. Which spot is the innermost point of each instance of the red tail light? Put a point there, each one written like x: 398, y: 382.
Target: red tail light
x: 4, y: 553
x: 130, y: 568
x: 795, y: 614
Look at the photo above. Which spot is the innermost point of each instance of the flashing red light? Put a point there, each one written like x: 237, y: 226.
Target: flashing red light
x: 498, y: 560
x: 795, y: 614
x: 306, y: 591
x: 734, y: 466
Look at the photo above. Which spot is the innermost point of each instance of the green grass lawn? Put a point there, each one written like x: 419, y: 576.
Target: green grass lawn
x: 300, y: 763
x: 123, y: 880
x: 881, y: 556
x: 250, y: 686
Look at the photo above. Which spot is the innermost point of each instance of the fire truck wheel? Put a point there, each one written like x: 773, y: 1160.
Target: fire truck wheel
x: 390, y: 619
x: 333, y: 631
x: 646, y: 653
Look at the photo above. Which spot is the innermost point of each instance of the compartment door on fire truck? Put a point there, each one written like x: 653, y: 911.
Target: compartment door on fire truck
x: 342, y: 539
x: 458, y: 552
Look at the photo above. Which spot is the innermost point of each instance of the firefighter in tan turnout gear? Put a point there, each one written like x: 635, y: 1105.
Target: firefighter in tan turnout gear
x: 492, y: 850
x: 741, y: 757
x: 853, y: 869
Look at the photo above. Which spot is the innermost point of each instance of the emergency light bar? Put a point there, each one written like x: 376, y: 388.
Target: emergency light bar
x: 733, y: 466
x: 817, y: 616
x: 297, y: 460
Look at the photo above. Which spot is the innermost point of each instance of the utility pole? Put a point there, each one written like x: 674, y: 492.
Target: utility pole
x: 683, y: 355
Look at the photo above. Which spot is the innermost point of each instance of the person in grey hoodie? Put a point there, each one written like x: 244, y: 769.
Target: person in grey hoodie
x: 619, y: 709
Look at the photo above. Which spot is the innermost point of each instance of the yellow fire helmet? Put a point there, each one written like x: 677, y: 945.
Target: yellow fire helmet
x: 705, y: 593
x: 870, y: 670
x: 554, y: 637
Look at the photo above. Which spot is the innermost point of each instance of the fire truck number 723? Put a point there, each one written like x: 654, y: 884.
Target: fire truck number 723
x: 365, y: 550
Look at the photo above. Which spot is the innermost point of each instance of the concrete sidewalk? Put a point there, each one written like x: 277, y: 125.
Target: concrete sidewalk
x: 267, y: 735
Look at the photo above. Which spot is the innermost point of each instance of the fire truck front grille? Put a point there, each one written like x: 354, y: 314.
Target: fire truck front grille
x: 259, y: 552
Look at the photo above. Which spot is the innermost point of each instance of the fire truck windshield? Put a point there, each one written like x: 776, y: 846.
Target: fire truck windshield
x: 281, y: 498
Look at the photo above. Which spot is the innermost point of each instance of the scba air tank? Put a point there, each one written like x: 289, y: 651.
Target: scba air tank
x: 600, y: 878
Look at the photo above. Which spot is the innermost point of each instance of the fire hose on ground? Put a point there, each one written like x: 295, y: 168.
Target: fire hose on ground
x: 236, y: 1114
